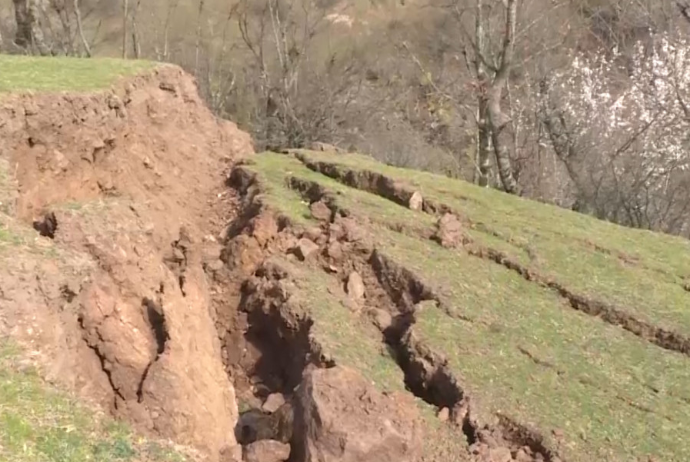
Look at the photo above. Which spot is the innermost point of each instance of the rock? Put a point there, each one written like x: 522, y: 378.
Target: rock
x: 256, y: 425
x: 273, y: 403
x: 522, y: 456
x: 343, y: 418
x: 449, y: 231
x: 305, y: 248
x: 61, y: 162
x: 416, y: 201
x: 267, y: 451
x: 355, y: 286
x: 231, y: 454
x: 443, y: 414
x: 382, y: 319
x: 320, y: 211
x: 313, y: 233
x: 335, y: 251
x: 500, y: 455
x: 243, y: 254
x: 486, y: 437
x: 353, y: 232
x: 264, y: 228
x: 335, y: 232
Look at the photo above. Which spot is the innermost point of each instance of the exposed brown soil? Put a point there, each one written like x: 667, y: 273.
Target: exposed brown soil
x: 129, y: 184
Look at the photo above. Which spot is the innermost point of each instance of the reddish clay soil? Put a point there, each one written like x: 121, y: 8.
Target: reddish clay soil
x: 129, y: 183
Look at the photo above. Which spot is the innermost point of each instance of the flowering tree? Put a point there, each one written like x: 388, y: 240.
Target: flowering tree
x: 620, y: 123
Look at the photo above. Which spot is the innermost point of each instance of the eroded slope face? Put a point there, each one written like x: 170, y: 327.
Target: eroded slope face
x: 124, y: 189
x: 534, y: 333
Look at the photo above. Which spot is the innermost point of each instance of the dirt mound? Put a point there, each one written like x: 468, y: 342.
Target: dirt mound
x: 130, y: 185
x: 343, y: 418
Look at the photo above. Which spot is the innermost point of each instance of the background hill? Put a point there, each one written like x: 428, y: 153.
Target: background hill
x: 595, y: 97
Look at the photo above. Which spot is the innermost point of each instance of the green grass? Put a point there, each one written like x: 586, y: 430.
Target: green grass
x: 578, y: 251
x: 39, y: 74
x: 595, y: 368
x: 519, y: 349
x: 41, y: 424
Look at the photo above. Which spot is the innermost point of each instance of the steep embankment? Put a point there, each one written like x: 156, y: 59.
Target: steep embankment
x: 127, y: 183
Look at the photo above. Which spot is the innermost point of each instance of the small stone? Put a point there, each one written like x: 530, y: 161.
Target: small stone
x: 416, y: 201
x: 558, y: 433
x: 61, y: 161
x: 320, y: 211
x: 273, y: 403
x: 443, y: 415
x: 500, y: 455
x: 267, y: 451
x: 305, y: 248
x: 355, y: 286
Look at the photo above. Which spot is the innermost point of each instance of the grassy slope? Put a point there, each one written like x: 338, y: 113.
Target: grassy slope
x: 22, y: 73
x: 40, y: 424
x: 37, y: 422
x: 517, y: 347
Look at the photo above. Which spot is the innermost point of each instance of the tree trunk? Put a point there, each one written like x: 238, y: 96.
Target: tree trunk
x: 499, y: 122
x: 136, y: 45
x: 483, y: 162
x: 197, y: 47
x: 29, y: 34
x: 84, y: 42
x: 125, y: 20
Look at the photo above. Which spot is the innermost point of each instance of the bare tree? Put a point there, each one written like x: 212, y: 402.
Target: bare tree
x: 197, y: 46
x: 483, y: 161
x: 125, y: 20
x: 29, y: 33
x: 136, y: 43
x: 499, y: 122
x: 80, y: 28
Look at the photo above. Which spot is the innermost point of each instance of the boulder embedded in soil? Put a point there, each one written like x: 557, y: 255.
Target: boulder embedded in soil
x: 449, y: 231
x: 416, y: 201
x: 267, y: 451
x: 341, y: 417
x: 273, y: 403
x: 355, y: 286
x: 320, y: 211
x: 305, y: 248
x: 382, y: 319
